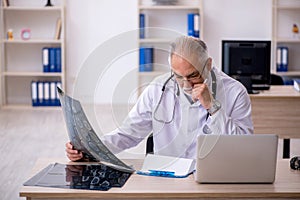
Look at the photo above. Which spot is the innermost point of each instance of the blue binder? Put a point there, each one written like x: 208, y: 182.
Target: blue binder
x: 46, y: 94
x: 40, y: 87
x: 190, y: 24
x: 282, y: 59
x: 53, y: 93
x: 142, y: 25
x: 52, y: 60
x: 45, y: 59
x: 58, y: 59
x: 196, y: 25
x: 34, y: 93
x: 57, y: 101
x: 146, y: 59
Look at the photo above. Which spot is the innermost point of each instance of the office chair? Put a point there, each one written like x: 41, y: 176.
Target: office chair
x: 276, y: 80
x: 149, y: 144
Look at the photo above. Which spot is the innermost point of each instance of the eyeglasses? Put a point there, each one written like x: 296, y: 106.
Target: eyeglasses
x: 192, y: 77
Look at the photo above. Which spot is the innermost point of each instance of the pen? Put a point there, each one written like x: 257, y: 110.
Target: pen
x: 157, y: 173
x: 168, y: 174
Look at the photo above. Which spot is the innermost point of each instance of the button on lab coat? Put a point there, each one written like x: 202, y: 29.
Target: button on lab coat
x: 179, y: 137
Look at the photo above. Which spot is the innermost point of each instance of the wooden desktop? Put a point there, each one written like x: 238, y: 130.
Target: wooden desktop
x: 286, y: 185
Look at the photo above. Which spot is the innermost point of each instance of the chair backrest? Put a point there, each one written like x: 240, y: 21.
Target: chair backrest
x: 149, y: 145
x: 276, y: 80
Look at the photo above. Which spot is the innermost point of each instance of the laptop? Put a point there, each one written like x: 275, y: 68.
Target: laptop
x: 236, y: 158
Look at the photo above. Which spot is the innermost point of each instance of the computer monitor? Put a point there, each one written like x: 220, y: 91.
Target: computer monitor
x: 248, y: 62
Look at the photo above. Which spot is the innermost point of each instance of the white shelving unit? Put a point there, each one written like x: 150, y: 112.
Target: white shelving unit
x: 21, y: 60
x: 285, y: 14
x: 163, y: 23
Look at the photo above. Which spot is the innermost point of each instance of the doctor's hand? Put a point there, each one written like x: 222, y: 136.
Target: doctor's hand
x: 201, y: 92
x: 72, y: 153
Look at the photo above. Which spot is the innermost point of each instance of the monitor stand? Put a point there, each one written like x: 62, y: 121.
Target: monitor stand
x: 253, y: 91
x: 247, y: 82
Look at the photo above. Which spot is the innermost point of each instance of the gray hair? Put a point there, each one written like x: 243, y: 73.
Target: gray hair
x: 191, y: 49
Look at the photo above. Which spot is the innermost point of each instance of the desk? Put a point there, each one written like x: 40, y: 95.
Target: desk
x: 277, y: 111
x: 286, y: 185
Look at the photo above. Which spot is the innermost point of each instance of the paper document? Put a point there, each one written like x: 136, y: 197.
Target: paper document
x: 83, y: 136
x: 297, y: 84
x: 156, y: 165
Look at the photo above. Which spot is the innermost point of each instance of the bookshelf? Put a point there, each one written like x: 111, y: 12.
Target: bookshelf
x: 162, y: 23
x: 285, y: 14
x: 21, y: 58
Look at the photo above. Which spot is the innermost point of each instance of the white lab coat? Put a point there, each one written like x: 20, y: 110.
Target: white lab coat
x: 178, y: 138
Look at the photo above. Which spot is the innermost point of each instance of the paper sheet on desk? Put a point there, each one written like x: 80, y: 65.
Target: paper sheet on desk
x: 83, y: 136
x: 156, y: 165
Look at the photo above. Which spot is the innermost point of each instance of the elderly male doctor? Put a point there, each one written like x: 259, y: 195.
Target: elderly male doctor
x: 196, y: 98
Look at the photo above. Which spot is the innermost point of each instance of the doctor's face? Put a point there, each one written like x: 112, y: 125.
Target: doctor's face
x: 185, y: 73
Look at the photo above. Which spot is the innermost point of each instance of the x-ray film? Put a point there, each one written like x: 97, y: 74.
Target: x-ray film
x: 82, y: 135
x: 83, y: 176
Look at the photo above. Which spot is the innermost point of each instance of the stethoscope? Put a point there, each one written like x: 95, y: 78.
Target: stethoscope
x: 213, y: 87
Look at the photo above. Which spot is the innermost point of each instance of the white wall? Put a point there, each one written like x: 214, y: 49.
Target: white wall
x: 235, y: 19
x: 92, y: 22
x: 89, y: 24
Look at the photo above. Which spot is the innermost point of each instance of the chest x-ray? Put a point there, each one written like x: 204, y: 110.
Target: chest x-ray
x: 82, y: 135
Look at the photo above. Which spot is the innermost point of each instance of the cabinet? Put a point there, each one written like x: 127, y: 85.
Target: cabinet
x: 21, y: 57
x: 161, y: 21
x: 285, y: 14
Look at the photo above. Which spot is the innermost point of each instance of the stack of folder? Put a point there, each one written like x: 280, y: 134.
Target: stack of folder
x: 43, y: 93
x: 51, y: 59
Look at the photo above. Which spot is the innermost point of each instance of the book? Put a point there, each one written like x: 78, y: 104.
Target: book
x: 58, y: 29
x: 167, y: 166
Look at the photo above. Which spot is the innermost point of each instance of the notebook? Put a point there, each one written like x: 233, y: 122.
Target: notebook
x: 236, y: 158
x: 167, y: 166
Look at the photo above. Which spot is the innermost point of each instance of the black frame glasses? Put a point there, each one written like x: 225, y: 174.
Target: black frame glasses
x: 192, y: 77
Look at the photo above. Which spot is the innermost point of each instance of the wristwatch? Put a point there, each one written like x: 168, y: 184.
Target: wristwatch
x: 215, y: 106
